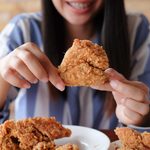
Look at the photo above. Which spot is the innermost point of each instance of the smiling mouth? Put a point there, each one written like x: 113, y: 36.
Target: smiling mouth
x: 80, y: 5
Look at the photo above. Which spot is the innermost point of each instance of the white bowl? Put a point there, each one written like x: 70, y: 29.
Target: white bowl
x: 86, y: 138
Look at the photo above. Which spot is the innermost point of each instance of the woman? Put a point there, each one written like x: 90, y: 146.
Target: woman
x: 24, y: 65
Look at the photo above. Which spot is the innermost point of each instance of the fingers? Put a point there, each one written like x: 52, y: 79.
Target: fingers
x: 103, y: 87
x: 40, y: 65
x: 23, y: 70
x: 55, y: 79
x: 126, y: 88
x: 33, y: 65
x: 118, y: 97
x: 141, y: 85
x: 131, y: 98
x: 34, y: 49
x: 135, y: 106
x: 129, y: 90
x: 133, y: 89
x: 106, y: 86
x: 113, y: 74
x: 12, y: 77
x: 27, y: 64
x: 127, y: 116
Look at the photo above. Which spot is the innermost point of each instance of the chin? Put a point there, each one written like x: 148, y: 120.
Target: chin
x: 78, y: 21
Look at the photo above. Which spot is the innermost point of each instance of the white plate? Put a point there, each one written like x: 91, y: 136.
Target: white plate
x: 114, y: 145
x: 86, y: 138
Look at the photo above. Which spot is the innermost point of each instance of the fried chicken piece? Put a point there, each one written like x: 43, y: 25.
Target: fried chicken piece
x: 68, y: 147
x: 28, y: 133
x: 146, y: 139
x: 133, y: 140
x: 45, y: 146
x: 7, y: 140
x: 84, y: 64
x: 50, y: 127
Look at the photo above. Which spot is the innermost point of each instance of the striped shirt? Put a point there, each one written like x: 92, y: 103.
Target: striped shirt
x: 82, y: 106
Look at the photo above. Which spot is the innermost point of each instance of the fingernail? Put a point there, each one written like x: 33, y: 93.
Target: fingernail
x: 109, y: 70
x: 27, y: 85
x: 60, y: 87
x: 114, y: 83
x: 35, y: 81
x: 94, y: 87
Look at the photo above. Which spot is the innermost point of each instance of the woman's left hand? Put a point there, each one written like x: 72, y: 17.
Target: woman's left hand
x: 131, y: 98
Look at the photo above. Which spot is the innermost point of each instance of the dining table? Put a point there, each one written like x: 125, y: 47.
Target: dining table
x: 111, y: 134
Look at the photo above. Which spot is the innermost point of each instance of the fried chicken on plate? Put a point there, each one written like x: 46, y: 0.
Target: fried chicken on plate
x: 32, y: 134
x: 68, y: 147
x: 132, y: 139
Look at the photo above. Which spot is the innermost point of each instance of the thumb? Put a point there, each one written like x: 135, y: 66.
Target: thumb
x: 53, y: 74
x: 55, y: 78
x: 114, y: 75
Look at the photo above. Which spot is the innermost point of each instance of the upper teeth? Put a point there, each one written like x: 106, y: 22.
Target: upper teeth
x: 79, y: 5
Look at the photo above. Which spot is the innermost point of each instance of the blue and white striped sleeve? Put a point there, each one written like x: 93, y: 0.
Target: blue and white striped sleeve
x: 12, y: 35
x: 10, y: 38
x: 139, y: 31
x: 141, y: 52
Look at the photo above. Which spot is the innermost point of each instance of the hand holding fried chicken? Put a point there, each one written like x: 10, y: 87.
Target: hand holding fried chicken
x: 131, y: 97
x: 86, y: 64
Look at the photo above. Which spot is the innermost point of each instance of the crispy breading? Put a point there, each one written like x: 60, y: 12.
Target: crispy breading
x: 7, y: 139
x: 68, y: 147
x: 28, y: 133
x: 45, y: 146
x: 133, y: 140
x: 146, y: 139
x: 84, y: 64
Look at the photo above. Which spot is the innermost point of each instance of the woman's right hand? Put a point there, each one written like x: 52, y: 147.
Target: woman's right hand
x: 26, y: 65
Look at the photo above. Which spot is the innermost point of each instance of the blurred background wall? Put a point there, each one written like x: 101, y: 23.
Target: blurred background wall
x: 142, y: 6
x: 9, y: 8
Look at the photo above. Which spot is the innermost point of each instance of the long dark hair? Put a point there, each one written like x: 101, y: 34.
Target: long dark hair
x: 115, y: 36
x: 53, y: 32
x: 113, y: 31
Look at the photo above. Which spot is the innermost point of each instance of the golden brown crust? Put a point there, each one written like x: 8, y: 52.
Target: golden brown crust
x: 84, y: 64
x: 50, y: 127
x: 146, y: 139
x: 28, y: 133
x: 7, y: 141
x: 45, y: 146
x: 68, y: 147
x: 133, y: 140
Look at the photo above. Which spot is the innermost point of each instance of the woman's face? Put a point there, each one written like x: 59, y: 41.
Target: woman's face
x: 77, y: 12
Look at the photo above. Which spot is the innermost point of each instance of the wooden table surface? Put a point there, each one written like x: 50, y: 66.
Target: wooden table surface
x: 111, y: 134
